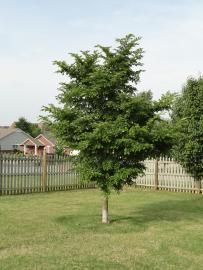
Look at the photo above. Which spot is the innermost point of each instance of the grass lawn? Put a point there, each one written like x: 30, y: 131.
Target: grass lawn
x: 62, y: 230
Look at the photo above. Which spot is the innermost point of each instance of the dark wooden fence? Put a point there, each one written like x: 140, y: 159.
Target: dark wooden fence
x: 20, y: 174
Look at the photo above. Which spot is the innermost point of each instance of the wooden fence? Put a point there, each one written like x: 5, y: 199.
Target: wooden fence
x: 20, y: 174
x: 166, y: 174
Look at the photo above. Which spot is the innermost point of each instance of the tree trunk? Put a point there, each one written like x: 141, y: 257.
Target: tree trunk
x: 197, y: 186
x: 105, y: 213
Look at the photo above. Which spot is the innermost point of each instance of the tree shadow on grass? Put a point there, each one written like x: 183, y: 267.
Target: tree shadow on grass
x: 169, y: 211
x: 138, y: 218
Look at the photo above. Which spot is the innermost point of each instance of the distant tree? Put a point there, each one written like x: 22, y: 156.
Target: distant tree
x: 35, y: 130
x: 102, y: 115
x: 187, y: 117
x: 23, y: 124
x: 26, y: 126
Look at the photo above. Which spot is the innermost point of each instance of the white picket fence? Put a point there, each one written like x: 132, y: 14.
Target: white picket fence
x: 170, y: 176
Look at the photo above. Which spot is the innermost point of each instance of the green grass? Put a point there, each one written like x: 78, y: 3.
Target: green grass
x: 62, y: 230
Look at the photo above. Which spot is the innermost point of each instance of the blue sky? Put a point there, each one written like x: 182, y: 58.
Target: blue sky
x: 34, y: 33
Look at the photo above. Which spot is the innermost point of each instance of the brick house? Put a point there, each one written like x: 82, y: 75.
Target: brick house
x: 32, y: 147
x: 14, y: 139
x: 48, y: 143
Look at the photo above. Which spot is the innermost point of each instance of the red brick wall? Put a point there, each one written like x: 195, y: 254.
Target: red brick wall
x: 50, y: 149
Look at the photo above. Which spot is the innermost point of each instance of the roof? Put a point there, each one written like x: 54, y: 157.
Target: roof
x: 4, y: 131
x: 34, y: 141
x: 46, y: 138
x: 50, y: 136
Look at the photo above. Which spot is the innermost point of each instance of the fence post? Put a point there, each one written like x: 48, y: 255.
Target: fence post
x: 197, y: 184
x: 156, y: 172
x: 44, y: 171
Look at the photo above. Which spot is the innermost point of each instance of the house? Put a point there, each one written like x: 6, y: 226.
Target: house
x: 14, y: 139
x: 36, y: 146
x: 11, y: 138
x: 32, y: 147
x: 48, y: 143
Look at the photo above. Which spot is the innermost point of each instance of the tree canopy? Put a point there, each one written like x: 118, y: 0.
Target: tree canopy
x: 28, y: 127
x: 102, y: 114
x: 187, y: 116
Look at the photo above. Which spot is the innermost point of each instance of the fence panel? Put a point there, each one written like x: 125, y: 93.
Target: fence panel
x: 20, y: 174
x: 170, y: 176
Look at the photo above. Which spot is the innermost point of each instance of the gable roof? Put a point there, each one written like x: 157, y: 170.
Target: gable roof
x: 34, y: 141
x: 5, y: 131
x: 46, y: 138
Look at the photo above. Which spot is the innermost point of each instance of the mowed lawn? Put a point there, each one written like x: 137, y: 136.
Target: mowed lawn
x: 62, y: 230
